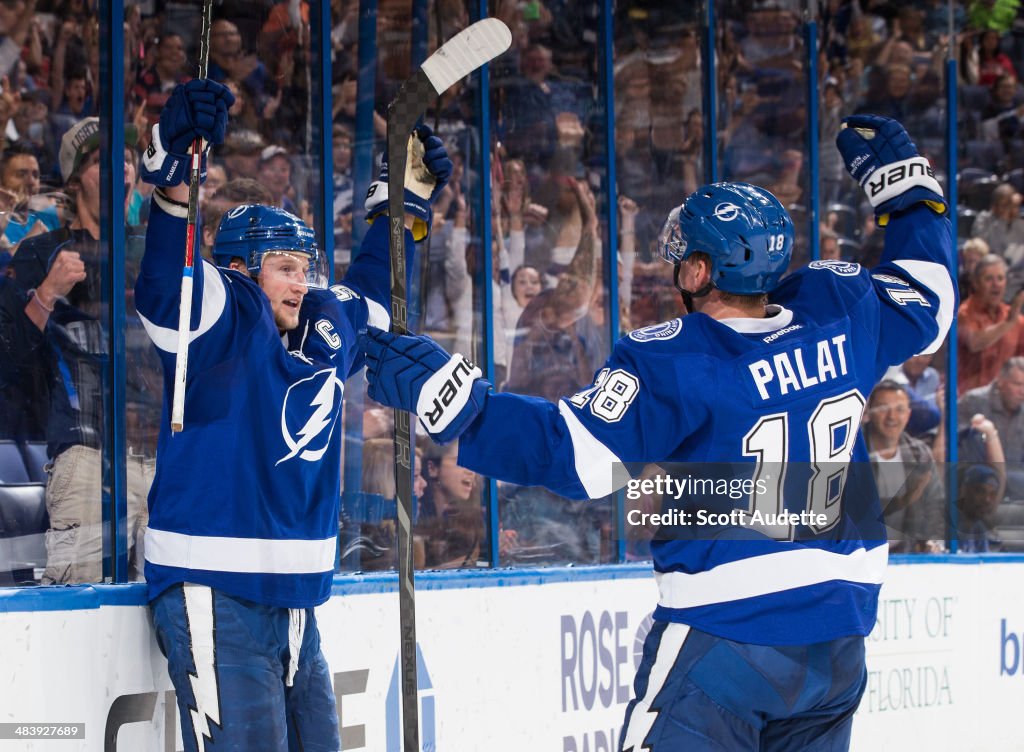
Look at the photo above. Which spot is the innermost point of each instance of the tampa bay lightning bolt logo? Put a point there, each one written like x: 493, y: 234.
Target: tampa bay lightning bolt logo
x: 665, y: 330
x: 237, y: 211
x: 727, y: 212
x: 309, y: 413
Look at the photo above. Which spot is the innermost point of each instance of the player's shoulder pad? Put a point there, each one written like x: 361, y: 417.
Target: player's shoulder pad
x: 668, y: 358
x: 860, y: 279
x: 243, y: 292
x: 335, y: 295
x: 823, y: 284
x: 675, y: 338
x: 329, y: 315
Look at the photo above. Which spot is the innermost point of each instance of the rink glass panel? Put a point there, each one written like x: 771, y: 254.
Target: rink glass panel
x: 450, y: 527
x: 762, y: 109
x: 82, y: 358
x: 655, y: 159
x: 271, y: 152
x: 553, y: 320
x: 863, y: 68
x: 56, y: 372
x: 659, y: 148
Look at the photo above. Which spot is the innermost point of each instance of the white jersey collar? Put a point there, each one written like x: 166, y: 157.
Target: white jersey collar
x: 777, y: 318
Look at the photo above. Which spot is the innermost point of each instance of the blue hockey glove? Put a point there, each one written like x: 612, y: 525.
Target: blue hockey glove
x: 197, y: 109
x: 427, y: 171
x: 413, y: 373
x: 881, y: 157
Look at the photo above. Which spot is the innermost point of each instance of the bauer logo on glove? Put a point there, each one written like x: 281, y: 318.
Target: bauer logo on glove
x: 443, y: 396
x: 881, y: 157
x: 413, y: 373
x: 890, y: 180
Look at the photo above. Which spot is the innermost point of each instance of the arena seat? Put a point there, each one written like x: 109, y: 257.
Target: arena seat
x: 847, y: 220
x: 849, y: 250
x: 983, y: 154
x: 1015, y: 178
x: 976, y: 194
x: 1009, y: 525
x: 35, y: 456
x: 965, y: 221
x: 12, y: 464
x: 973, y: 98
x: 23, y: 525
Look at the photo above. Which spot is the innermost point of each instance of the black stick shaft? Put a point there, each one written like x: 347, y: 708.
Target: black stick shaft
x: 204, y: 59
x: 402, y: 116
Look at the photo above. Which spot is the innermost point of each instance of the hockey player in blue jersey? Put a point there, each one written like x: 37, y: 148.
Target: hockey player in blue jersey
x: 245, y: 501
x: 758, y: 641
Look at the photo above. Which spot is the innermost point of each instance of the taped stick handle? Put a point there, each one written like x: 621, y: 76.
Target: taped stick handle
x: 187, y: 274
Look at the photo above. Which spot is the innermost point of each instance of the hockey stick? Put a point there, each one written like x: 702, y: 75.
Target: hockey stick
x: 456, y: 59
x: 185, y: 305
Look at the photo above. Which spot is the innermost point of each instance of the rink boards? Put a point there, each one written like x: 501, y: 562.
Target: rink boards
x: 520, y: 660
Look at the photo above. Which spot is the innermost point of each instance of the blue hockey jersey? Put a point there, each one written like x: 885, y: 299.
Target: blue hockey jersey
x: 784, y: 393
x: 246, y: 498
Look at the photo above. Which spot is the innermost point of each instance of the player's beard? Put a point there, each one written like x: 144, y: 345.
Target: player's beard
x: 286, y: 319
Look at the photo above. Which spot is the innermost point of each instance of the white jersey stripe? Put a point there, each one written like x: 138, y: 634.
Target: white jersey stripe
x: 771, y: 573
x: 595, y: 463
x: 214, y: 299
x: 936, y: 278
x: 249, y: 555
x: 642, y: 718
x: 377, y: 315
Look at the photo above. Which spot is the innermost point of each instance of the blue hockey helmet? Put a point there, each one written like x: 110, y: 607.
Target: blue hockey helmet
x: 252, y: 231
x: 745, y: 230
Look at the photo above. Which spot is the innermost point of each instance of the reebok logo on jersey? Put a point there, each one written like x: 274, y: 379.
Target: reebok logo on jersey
x: 775, y: 335
x: 310, y: 410
x: 446, y: 392
x: 727, y: 212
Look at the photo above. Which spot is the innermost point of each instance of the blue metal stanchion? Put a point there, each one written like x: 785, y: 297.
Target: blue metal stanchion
x: 112, y: 235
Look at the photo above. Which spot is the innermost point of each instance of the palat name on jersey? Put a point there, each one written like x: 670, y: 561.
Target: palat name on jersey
x: 787, y: 370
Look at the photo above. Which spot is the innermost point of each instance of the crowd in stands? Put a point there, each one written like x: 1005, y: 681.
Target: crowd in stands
x: 889, y: 59
x: 550, y: 232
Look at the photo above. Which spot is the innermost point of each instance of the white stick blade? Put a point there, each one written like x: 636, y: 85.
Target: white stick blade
x: 467, y: 51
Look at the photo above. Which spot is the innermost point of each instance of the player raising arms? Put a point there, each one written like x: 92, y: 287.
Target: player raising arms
x: 244, y: 504
x: 758, y: 641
